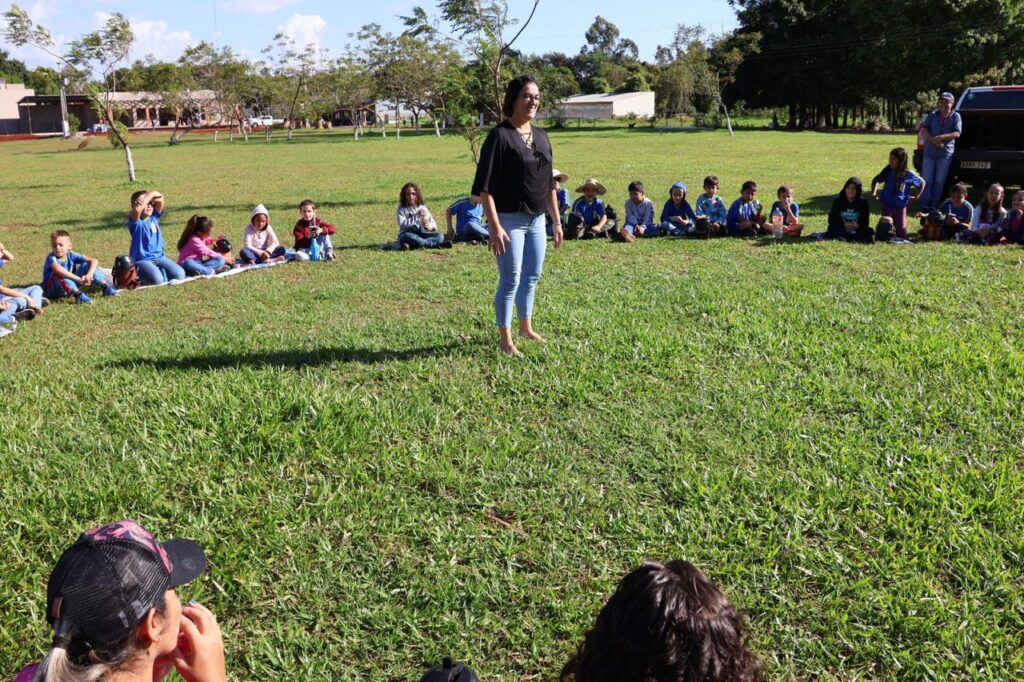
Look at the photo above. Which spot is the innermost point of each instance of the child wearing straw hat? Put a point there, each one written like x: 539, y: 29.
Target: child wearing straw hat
x: 562, y: 196
x: 591, y: 210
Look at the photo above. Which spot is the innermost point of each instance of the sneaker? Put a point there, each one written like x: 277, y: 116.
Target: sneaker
x: 45, y: 303
x: 406, y: 247
x: 83, y: 298
x: 329, y: 255
x: 222, y: 268
x: 626, y: 236
x: 110, y: 291
x: 25, y: 314
x: 446, y: 244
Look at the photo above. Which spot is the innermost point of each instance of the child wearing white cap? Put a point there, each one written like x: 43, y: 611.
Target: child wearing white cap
x: 260, y: 243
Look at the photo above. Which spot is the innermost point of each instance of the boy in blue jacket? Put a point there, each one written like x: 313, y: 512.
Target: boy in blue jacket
x: 711, y: 207
x: 591, y: 209
x: 677, y: 218
x: 745, y: 217
x: 639, y: 215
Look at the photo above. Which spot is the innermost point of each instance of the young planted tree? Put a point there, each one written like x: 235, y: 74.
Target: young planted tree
x: 98, y: 53
x: 712, y: 61
x: 350, y: 84
x: 295, y: 70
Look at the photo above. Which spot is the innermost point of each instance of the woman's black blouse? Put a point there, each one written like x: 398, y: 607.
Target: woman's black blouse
x: 515, y: 174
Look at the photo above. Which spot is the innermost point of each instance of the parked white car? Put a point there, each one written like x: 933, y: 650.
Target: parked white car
x: 264, y: 121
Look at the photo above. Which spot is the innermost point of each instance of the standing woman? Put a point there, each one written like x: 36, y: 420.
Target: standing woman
x: 514, y: 179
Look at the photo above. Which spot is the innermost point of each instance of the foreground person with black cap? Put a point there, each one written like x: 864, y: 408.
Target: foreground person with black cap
x: 116, y: 616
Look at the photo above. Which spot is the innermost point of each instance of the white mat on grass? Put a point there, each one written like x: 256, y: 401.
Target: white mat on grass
x: 227, y: 273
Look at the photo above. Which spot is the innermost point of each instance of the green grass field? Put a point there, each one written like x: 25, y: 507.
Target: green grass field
x: 832, y: 432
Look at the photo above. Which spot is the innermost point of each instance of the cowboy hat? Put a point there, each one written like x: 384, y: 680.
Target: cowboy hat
x: 592, y: 182
x: 559, y: 175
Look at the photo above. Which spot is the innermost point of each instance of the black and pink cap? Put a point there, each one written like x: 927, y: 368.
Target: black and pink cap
x: 106, y: 582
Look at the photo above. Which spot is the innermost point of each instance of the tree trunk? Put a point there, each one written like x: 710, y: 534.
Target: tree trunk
x: 216, y: 133
x: 792, y: 122
x: 129, y: 161
x: 728, y: 121
x: 398, y: 126
x: 437, y: 130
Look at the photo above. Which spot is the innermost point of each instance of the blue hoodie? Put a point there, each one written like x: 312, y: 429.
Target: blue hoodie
x: 670, y: 210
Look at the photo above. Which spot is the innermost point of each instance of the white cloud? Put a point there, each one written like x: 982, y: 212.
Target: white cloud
x: 153, y: 37
x: 256, y: 7
x: 41, y: 10
x: 304, y: 29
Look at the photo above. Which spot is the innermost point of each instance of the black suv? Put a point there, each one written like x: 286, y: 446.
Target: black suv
x: 991, y: 146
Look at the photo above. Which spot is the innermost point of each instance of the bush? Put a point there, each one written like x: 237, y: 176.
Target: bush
x: 74, y: 125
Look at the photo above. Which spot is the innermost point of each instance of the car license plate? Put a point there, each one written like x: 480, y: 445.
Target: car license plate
x: 978, y: 165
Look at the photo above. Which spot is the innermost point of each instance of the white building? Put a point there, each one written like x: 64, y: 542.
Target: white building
x: 10, y: 95
x: 608, y: 105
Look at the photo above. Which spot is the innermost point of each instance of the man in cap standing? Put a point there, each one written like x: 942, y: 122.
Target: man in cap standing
x: 940, y: 130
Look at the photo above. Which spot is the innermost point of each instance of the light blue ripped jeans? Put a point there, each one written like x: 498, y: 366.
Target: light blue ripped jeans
x: 519, y: 268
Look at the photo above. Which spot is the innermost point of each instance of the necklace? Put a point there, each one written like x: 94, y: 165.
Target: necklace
x: 527, y: 137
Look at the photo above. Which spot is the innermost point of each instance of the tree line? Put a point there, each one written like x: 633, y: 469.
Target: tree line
x: 814, y: 63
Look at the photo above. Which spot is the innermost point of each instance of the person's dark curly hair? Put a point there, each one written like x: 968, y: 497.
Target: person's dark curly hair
x: 665, y: 623
x: 512, y: 90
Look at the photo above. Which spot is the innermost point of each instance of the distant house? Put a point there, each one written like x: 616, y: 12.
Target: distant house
x: 41, y: 113
x: 608, y: 105
x: 10, y: 95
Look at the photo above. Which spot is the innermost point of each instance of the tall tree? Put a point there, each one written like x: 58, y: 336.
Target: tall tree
x: 487, y: 26
x: 226, y: 77
x: 97, y: 52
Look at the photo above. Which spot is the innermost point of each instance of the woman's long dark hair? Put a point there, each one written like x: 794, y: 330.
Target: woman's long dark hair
x: 665, y: 623
x: 901, y: 158
x: 402, y: 201
x: 512, y: 90
x: 196, y: 225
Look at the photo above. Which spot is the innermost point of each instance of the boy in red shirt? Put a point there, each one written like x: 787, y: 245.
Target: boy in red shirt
x: 310, y: 228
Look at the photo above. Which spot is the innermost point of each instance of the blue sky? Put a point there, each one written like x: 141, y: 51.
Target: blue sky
x: 164, y: 28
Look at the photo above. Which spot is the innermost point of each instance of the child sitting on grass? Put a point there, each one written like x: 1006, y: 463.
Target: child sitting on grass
x: 590, y: 209
x: 469, y: 215
x: 711, y: 208
x: 958, y: 211
x: 259, y: 241
x: 147, y: 247
x: 665, y: 622
x: 897, y: 181
x: 987, y: 219
x: 849, y: 219
x: 639, y: 215
x: 194, y: 256
x: 745, y: 218
x: 310, y: 228
x: 19, y: 304
x: 562, y: 197
x: 788, y: 212
x: 677, y: 218
x: 1013, y: 233
x: 66, y: 273
x: 416, y: 226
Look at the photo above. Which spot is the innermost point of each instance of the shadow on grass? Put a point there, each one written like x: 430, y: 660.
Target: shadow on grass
x: 290, y: 359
